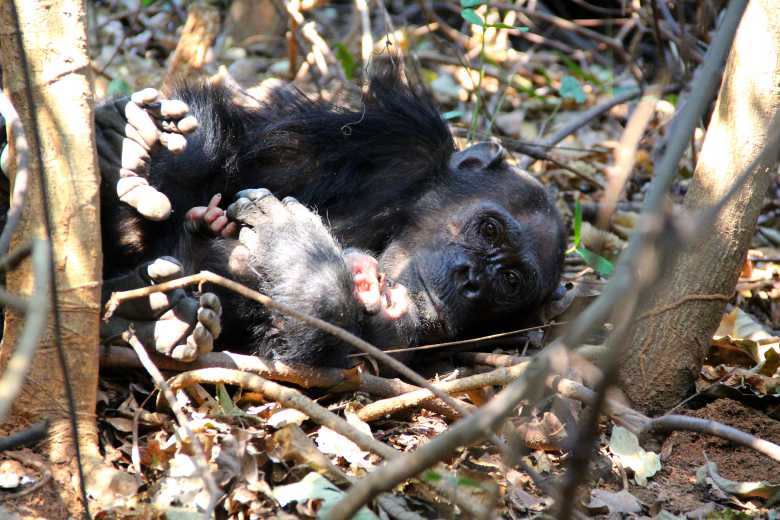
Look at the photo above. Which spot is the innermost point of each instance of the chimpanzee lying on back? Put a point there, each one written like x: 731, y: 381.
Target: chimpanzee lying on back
x: 468, y: 244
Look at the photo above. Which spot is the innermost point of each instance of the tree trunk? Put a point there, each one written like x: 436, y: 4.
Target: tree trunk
x: 55, y: 43
x: 667, y: 347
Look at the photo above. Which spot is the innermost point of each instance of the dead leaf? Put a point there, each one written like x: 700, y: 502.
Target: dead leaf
x: 708, y: 474
x: 625, y: 446
x: 607, y: 502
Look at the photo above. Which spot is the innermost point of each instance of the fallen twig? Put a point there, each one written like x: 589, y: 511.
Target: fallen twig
x: 301, y: 375
x: 463, y: 433
x: 294, y: 399
x: 347, y: 337
x: 577, y: 123
x: 200, y: 459
x: 670, y: 423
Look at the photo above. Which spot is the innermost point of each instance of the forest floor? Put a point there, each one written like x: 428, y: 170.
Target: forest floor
x: 268, y: 459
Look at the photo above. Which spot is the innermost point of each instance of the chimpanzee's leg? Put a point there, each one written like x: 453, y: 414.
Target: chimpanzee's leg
x: 174, y: 323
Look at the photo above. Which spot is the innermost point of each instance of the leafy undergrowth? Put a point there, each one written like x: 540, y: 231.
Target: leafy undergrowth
x: 270, y: 461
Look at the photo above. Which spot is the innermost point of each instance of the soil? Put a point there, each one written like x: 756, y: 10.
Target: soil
x: 675, y: 488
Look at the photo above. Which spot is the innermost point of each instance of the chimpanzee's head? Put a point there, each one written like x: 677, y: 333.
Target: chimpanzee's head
x: 483, y: 251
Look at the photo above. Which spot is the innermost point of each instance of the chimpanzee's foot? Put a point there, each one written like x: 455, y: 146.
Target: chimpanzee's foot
x: 175, y: 323
x: 210, y: 220
x: 129, y: 130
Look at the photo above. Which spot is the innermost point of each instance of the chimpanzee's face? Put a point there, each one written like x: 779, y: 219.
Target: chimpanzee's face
x: 475, y: 268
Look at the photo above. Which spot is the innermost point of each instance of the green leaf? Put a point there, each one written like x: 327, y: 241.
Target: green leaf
x: 468, y: 4
x: 599, y: 264
x: 577, y: 223
x: 227, y: 407
x: 571, y: 89
x: 147, y: 3
x: 471, y: 16
x: 347, y: 61
x: 452, y: 114
x: 118, y: 87
x: 431, y: 476
x: 499, y: 25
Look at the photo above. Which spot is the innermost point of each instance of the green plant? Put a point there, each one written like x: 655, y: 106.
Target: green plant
x: 468, y: 12
x: 599, y: 264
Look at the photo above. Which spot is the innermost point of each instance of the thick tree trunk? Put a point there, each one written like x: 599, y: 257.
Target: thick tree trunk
x: 667, y: 347
x: 54, y: 38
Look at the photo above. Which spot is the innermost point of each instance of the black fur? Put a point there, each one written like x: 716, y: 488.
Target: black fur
x: 387, y: 178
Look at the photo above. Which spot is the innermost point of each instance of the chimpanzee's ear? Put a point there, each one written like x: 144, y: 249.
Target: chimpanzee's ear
x: 480, y: 156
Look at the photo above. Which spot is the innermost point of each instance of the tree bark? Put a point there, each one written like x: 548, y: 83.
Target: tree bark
x: 667, y: 346
x: 58, y: 120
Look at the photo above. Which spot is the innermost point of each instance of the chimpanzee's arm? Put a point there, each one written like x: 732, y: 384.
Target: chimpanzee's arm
x: 285, y: 251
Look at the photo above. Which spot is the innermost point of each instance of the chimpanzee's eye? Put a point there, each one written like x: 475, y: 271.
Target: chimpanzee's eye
x: 512, y: 279
x: 490, y: 229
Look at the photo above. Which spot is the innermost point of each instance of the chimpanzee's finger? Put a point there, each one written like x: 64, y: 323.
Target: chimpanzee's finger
x: 136, y: 192
x: 141, y: 122
x: 210, y: 312
x: 146, y: 96
x: 230, y: 231
x: 135, y: 157
x: 219, y: 224
x: 151, y: 307
x: 164, y: 269
x: 300, y: 212
x: 186, y: 352
x: 173, y: 109
x: 187, y: 124
x: 175, y: 143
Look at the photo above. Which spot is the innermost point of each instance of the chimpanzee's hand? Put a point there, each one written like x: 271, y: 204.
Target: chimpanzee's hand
x: 128, y: 131
x: 174, y: 323
x: 210, y: 221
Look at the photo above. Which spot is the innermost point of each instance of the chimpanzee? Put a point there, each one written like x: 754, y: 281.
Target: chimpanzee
x: 464, y: 243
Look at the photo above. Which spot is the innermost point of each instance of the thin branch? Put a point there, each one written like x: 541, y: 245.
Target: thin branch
x: 34, y: 325
x: 300, y: 375
x: 580, y: 121
x: 338, y: 332
x: 200, y: 459
x: 463, y: 433
x: 293, y: 399
x: 21, y: 156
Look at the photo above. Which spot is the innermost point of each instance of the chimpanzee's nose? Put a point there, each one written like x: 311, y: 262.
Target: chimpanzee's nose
x: 468, y: 279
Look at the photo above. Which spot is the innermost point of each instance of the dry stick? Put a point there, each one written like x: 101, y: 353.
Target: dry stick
x: 301, y: 375
x: 34, y: 325
x: 625, y: 153
x: 366, y: 40
x: 577, y: 123
x: 20, y: 154
x: 636, y: 422
x: 200, y: 459
x: 668, y: 423
x: 562, y: 23
x: 500, y: 376
x: 294, y: 399
x: 628, y: 280
x: 463, y: 433
x: 338, y: 332
x: 334, y: 379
